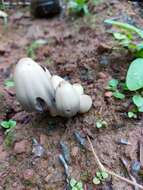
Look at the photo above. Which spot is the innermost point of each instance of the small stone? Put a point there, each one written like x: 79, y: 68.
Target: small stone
x: 108, y: 94
x: 20, y: 147
x: 38, y: 150
x: 47, y: 178
x: 135, y: 166
x: 74, y: 151
x: 104, y: 61
x: 44, y: 164
x: 102, y: 75
x: 28, y: 174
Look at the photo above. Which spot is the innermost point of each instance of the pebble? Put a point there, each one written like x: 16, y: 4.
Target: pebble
x: 74, y: 151
x: 135, y: 166
x: 20, y: 147
x: 28, y: 174
x: 47, y: 178
x: 102, y: 75
x: 108, y: 94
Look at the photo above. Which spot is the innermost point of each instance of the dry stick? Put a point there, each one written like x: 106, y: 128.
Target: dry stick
x: 109, y: 171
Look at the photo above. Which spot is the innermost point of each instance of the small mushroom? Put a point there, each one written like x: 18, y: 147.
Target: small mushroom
x: 85, y: 103
x: 78, y: 88
x: 67, y: 100
x: 55, y: 79
x: 33, y: 88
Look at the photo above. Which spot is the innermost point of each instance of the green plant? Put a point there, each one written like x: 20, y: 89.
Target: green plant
x: 129, y: 37
x: 101, y: 124
x: 78, y: 6
x: 113, y: 86
x: 100, y: 177
x: 33, y: 46
x: 138, y: 101
x: 9, y: 83
x: 134, y: 78
x: 132, y: 115
x: 8, y: 124
x: 75, y: 185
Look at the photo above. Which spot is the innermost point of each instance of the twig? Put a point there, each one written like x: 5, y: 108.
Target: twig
x: 109, y: 171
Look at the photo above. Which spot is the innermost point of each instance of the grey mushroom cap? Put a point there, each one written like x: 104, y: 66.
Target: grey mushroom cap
x: 33, y: 88
x: 67, y: 100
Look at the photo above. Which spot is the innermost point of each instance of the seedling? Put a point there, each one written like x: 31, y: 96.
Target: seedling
x: 100, y: 177
x: 9, y: 83
x: 113, y: 86
x: 101, y: 124
x: 33, y: 46
x: 132, y: 115
x: 75, y: 185
x: 129, y: 36
x: 9, y: 126
x: 78, y: 6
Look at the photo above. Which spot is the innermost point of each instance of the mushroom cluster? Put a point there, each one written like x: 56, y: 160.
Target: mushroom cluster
x: 38, y: 90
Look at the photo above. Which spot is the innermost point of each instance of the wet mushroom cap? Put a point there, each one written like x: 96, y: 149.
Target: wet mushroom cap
x: 33, y: 88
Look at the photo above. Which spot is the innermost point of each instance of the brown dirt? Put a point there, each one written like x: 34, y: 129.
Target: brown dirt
x: 80, y: 50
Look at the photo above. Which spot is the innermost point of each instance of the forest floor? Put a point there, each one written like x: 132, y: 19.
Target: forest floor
x: 81, y: 50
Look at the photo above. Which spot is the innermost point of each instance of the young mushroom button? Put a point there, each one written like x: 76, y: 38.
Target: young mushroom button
x: 67, y: 100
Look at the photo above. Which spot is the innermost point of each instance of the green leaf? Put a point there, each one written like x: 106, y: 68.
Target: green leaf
x: 12, y: 123
x: 9, y: 83
x: 132, y: 115
x: 134, y: 78
x: 118, y: 95
x: 104, y: 174
x: 113, y: 83
x: 138, y: 100
x: 73, y: 182
x: 5, y: 124
x: 85, y: 9
x: 8, y: 124
x: 79, y: 185
x: 128, y: 27
x: 98, y: 124
x: 140, y: 109
x: 96, y: 181
x: 74, y: 188
x: 99, y: 175
x: 119, y: 36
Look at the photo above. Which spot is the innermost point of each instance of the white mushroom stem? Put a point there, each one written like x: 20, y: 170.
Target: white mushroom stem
x: 85, y: 103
